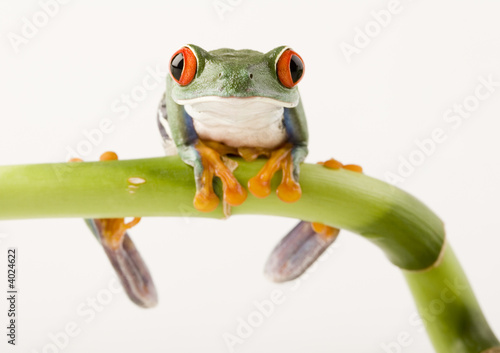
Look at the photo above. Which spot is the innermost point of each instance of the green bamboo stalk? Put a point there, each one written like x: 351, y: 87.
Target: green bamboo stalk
x: 410, y: 234
x: 449, y: 309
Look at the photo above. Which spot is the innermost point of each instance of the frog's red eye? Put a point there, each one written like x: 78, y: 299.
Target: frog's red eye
x: 290, y: 68
x: 183, y: 66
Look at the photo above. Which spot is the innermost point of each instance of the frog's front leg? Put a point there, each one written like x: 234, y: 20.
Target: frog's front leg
x: 207, y: 163
x: 205, y: 159
x: 288, y: 159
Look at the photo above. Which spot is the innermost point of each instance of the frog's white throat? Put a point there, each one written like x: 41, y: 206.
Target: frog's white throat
x: 239, y: 122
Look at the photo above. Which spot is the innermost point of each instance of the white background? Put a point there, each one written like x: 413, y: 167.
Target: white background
x: 66, y: 78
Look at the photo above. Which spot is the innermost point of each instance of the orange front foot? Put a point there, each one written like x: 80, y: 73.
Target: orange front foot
x: 205, y: 199
x: 289, y: 189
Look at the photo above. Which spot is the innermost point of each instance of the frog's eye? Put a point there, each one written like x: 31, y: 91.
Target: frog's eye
x: 290, y: 68
x: 183, y: 66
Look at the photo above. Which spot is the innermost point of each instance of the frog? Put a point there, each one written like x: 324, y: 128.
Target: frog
x: 218, y: 105
x: 239, y: 102
x: 243, y: 103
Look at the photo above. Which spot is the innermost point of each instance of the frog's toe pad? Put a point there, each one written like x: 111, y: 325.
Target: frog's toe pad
x: 334, y: 164
x: 205, y: 202
x: 213, y: 165
x: 297, y: 251
x: 259, y: 187
x: 289, y: 190
x: 353, y: 167
x: 108, y: 156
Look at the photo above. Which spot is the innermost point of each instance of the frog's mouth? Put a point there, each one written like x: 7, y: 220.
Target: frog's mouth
x: 235, y: 109
x: 236, y: 101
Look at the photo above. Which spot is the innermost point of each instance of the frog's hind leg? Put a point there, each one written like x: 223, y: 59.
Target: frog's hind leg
x: 123, y: 255
x: 298, y: 250
x: 125, y: 259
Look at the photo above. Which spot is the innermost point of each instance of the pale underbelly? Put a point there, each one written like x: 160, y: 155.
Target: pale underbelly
x: 270, y: 136
x: 256, y: 126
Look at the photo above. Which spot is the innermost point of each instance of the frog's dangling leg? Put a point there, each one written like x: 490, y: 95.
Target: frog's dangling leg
x: 126, y: 260
x: 123, y: 255
x: 289, y: 189
x: 334, y: 164
x: 298, y: 250
x: 205, y: 199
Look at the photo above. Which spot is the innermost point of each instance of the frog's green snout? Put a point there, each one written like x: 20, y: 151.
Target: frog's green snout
x: 236, y: 81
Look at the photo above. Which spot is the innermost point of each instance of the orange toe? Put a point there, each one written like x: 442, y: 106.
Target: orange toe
x: 353, y: 168
x: 235, y: 194
x: 205, y: 199
x: 334, y: 164
x: 289, y: 190
x: 205, y: 202
x: 108, y: 156
x: 323, y: 229
x: 260, y: 187
x: 113, y: 230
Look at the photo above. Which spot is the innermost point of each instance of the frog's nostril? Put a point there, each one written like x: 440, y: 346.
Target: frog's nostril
x: 220, y: 74
x: 251, y: 76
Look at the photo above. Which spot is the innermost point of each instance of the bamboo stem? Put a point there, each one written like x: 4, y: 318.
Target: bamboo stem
x: 410, y: 234
x: 449, y: 309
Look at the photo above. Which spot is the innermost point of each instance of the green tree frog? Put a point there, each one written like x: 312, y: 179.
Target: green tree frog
x: 236, y: 102
x: 217, y: 104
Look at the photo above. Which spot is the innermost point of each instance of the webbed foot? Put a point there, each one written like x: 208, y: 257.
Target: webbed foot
x: 300, y: 248
x: 334, y: 164
x: 123, y: 255
x: 205, y: 199
x: 289, y: 190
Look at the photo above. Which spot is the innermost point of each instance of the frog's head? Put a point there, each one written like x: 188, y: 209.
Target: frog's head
x: 200, y: 76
